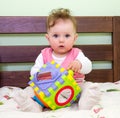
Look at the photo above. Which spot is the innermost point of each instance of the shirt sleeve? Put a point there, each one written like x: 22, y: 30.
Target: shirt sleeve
x: 38, y: 64
x: 86, y: 63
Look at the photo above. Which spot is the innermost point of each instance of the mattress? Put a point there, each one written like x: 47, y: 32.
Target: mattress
x: 108, y: 106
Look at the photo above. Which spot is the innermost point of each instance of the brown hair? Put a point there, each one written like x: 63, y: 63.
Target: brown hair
x: 56, y: 14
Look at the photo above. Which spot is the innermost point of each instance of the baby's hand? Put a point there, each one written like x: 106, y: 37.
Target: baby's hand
x: 75, y: 66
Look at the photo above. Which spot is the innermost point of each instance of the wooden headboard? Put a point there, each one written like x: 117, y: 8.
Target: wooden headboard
x: 36, y: 24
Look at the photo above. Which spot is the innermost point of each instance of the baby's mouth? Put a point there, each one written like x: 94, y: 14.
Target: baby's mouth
x: 61, y: 46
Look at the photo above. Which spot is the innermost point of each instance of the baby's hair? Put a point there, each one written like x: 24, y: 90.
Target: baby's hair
x: 60, y: 13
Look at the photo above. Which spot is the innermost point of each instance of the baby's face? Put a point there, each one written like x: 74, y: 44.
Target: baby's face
x: 62, y: 36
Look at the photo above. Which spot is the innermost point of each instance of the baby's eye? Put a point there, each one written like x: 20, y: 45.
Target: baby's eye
x: 67, y: 35
x: 55, y: 35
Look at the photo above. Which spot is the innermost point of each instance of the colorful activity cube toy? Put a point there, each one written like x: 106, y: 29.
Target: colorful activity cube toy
x: 54, y: 86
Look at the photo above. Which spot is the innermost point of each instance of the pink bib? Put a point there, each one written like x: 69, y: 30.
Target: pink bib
x: 71, y: 56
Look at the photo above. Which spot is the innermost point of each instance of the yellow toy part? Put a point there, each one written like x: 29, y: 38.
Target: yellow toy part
x: 58, y: 89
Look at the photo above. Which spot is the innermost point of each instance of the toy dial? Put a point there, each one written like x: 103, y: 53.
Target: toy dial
x: 64, y: 95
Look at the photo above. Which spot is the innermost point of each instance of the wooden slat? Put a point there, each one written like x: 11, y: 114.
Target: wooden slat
x: 29, y: 53
x: 22, y: 24
x: 100, y: 75
x: 97, y: 52
x: 19, y: 53
x: 37, y: 24
x: 94, y: 24
x: 14, y: 78
x: 116, y: 48
x: 21, y: 78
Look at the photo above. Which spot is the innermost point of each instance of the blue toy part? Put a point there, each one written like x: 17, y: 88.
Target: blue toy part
x: 56, y: 73
x: 38, y: 101
x: 49, y: 91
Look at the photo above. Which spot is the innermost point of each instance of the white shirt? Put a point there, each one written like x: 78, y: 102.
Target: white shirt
x: 86, y: 63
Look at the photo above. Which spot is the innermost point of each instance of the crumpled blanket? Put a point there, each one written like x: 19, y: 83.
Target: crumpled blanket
x: 108, y: 107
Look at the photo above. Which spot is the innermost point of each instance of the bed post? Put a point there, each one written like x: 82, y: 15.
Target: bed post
x: 116, y: 47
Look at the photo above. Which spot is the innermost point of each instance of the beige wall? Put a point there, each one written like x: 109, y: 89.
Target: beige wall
x: 43, y: 7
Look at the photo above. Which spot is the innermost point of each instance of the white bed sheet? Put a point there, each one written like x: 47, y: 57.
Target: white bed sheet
x: 108, y: 107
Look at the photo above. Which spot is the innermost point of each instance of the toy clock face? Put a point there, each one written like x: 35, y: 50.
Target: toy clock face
x: 64, y: 95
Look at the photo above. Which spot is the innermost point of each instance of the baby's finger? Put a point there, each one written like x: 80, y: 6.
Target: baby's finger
x: 69, y: 67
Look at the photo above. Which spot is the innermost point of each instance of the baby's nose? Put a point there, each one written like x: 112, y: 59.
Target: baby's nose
x: 61, y: 39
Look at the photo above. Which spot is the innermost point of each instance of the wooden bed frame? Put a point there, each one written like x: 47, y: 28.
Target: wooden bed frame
x: 36, y: 24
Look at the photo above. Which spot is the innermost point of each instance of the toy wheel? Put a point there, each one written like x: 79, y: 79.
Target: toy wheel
x: 64, y: 95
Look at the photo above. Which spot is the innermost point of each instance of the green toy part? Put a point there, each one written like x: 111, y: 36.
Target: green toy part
x: 54, y: 86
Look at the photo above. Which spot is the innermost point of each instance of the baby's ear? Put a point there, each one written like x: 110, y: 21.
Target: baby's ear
x: 76, y: 36
x: 47, y: 36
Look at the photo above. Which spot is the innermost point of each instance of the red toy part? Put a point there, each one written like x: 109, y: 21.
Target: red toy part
x: 67, y: 98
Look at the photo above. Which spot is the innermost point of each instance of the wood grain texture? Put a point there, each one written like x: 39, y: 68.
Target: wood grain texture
x: 12, y: 54
x: 22, y: 24
x: 21, y: 78
x: 116, y: 48
x: 37, y: 24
